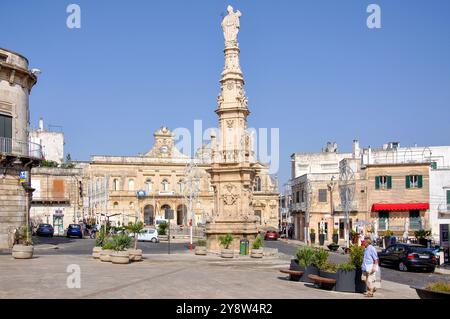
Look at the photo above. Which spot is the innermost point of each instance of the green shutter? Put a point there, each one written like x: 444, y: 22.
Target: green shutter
x: 434, y: 165
x: 389, y: 182
x: 377, y: 182
x: 420, y: 181
x: 408, y: 182
x: 448, y: 197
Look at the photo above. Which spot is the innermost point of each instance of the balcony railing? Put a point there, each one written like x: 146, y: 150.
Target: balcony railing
x: 299, y: 206
x: 16, y: 147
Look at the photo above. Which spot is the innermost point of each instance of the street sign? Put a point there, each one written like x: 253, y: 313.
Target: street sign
x: 23, y: 176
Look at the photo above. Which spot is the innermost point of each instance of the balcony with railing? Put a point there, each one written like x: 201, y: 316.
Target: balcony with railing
x: 298, y: 207
x: 444, y: 210
x: 11, y: 146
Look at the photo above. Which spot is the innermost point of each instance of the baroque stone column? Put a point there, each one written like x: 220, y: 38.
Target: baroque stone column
x: 232, y: 170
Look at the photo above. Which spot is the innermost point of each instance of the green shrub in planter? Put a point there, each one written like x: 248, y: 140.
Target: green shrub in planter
x: 305, y: 256
x: 356, y: 256
x: 320, y: 258
x: 201, y: 243
x: 225, y: 240
x: 346, y: 278
x: 162, y: 228
x: 258, y: 243
x: 346, y: 266
x: 121, y: 242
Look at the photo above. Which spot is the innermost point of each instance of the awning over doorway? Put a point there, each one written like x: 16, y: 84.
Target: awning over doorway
x: 400, y: 207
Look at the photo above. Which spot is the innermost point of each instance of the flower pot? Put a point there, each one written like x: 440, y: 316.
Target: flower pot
x: 120, y: 257
x: 105, y: 255
x: 345, y: 281
x: 257, y: 253
x: 335, y: 238
x: 135, y: 254
x: 96, y: 252
x: 312, y: 237
x: 321, y: 239
x: 333, y: 247
x: 309, y: 270
x: 429, y: 294
x: 360, y: 285
x: 22, y: 252
x: 227, y: 253
x: 200, y: 250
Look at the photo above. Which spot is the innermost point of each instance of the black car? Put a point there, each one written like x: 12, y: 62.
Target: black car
x: 45, y: 230
x: 408, y: 256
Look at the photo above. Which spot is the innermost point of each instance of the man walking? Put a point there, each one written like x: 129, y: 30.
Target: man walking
x: 369, y: 267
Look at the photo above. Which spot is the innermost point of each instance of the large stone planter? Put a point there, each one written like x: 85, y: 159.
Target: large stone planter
x: 120, y: 257
x: 310, y: 270
x: 134, y: 254
x: 105, y: 255
x: 22, y: 252
x: 227, y: 253
x: 360, y: 285
x: 200, y: 250
x: 346, y: 281
x: 257, y: 253
x: 329, y: 275
x: 96, y: 252
x: 428, y: 294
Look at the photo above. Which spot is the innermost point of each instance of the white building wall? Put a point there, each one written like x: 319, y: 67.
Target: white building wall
x: 52, y: 143
x: 439, y: 184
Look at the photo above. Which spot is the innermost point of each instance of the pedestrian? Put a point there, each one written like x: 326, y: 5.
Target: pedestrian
x: 370, y: 267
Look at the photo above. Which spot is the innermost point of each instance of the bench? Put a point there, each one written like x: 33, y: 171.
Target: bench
x: 294, y: 275
x: 326, y: 283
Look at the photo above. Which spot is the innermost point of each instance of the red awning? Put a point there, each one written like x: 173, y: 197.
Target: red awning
x: 400, y: 207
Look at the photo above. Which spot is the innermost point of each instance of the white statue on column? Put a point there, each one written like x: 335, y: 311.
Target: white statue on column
x: 230, y: 26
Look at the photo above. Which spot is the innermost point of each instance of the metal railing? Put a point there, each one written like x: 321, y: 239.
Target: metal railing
x: 444, y: 208
x: 16, y: 147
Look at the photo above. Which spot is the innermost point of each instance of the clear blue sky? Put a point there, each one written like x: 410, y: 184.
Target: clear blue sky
x: 312, y: 69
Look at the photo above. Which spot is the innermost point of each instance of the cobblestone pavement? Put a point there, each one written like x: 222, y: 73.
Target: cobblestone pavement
x: 180, y: 276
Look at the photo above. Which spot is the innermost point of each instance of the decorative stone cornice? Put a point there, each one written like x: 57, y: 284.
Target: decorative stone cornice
x: 17, y: 76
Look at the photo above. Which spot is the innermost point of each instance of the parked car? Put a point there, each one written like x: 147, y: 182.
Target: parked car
x: 45, y: 230
x: 74, y: 230
x: 149, y: 234
x: 408, y: 256
x: 271, y: 235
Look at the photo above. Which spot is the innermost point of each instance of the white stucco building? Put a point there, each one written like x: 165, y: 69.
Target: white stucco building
x: 52, y: 143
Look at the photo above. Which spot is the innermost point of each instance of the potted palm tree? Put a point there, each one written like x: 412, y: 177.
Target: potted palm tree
x: 422, y: 236
x: 321, y: 237
x: 120, y: 255
x: 135, y: 229
x: 387, y: 237
x: 335, y: 236
x: 23, y: 247
x: 225, y: 241
x: 305, y: 258
x: 312, y: 235
x: 257, y: 250
x: 200, y: 248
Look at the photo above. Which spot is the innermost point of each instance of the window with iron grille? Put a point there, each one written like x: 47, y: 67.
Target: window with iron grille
x: 322, y: 195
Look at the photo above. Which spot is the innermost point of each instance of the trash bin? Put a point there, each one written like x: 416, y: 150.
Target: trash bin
x: 243, y: 247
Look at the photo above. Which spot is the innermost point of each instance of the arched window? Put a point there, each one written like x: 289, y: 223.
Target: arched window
x: 148, y: 185
x: 115, y: 184
x: 131, y: 185
x: 116, y: 205
x: 181, y: 185
x: 165, y: 185
x: 257, y: 187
